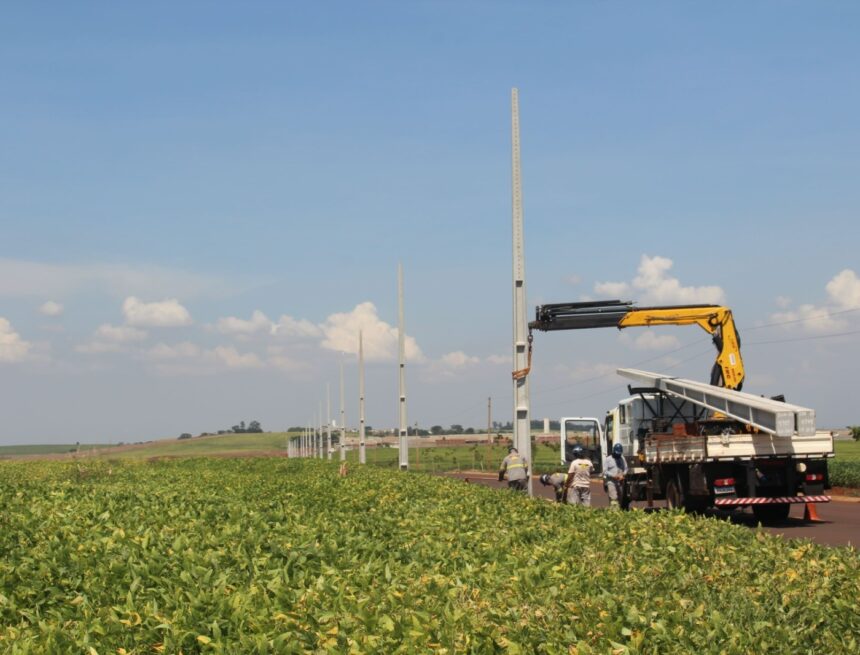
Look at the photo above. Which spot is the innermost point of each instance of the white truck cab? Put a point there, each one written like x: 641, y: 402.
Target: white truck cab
x: 582, y: 431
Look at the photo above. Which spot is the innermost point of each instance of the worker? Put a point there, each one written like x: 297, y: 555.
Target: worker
x: 557, y: 481
x: 517, y: 469
x: 614, y: 470
x: 578, y: 485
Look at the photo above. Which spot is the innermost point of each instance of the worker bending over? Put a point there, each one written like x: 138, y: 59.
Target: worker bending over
x: 557, y: 481
x: 614, y: 470
x: 578, y: 485
x: 517, y: 469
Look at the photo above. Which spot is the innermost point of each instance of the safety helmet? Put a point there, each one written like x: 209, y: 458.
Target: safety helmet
x: 544, y: 479
x: 512, y: 449
x: 618, y: 449
x: 577, y: 451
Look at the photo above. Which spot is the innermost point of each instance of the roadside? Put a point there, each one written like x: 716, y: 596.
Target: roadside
x: 839, y: 525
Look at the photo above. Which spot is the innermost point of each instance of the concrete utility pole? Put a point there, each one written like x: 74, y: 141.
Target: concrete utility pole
x: 522, y: 424
x: 342, y: 418
x: 328, y: 420
x: 320, y: 431
x: 489, y: 419
x: 403, y: 440
x: 362, y: 455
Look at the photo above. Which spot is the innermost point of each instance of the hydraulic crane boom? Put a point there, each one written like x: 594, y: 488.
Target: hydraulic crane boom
x: 728, y: 370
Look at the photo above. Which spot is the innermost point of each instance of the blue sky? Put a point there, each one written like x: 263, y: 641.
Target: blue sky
x: 282, y: 158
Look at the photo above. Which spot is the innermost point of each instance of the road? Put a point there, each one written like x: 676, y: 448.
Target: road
x: 839, y: 526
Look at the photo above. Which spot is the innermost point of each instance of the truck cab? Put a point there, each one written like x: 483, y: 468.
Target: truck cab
x: 582, y: 431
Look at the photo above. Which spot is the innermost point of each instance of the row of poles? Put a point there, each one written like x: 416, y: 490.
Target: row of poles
x: 310, y: 443
x: 314, y: 443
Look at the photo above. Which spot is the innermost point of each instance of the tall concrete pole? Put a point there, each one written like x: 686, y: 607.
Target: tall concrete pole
x: 320, y: 431
x: 362, y: 455
x: 522, y: 424
x: 328, y: 420
x: 403, y: 440
x: 489, y: 419
x: 342, y: 418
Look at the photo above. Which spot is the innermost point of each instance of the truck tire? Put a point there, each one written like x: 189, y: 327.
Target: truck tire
x: 771, y: 513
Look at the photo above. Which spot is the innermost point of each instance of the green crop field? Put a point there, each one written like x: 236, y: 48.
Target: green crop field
x: 48, y: 449
x: 458, y: 458
x: 846, y: 450
x: 283, y: 556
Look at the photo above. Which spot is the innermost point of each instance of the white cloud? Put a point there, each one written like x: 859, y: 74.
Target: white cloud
x: 652, y: 341
x: 500, y: 359
x: 232, y: 358
x: 843, y: 293
x: 22, y: 279
x: 573, y: 280
x: 656, y: 286
x: 120, y: 333
x: 287, y: 326
x: 166, y: 313
x: 612, y: 289
x: 783, y: 301
x: 380, y: 339
x: 98, y: 347
x: 12, y: 347
x: 51, y: 308
x: 186, y: 358
x: 259, y: 322
x: 844, y: 289
x: 182, y: 350
x: 458, y: 359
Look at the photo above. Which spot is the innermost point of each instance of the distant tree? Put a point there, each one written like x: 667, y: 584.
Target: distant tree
x: 185, y: 435
x: 855, y: 432
x: 469, y: 431
x: 254, y: 426
x: 456, y: 428
x: 437, y: 430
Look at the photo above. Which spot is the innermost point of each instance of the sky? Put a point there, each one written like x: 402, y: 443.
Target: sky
x: 202, y: 204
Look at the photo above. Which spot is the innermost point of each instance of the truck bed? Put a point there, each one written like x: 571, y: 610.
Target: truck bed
x: 693, y: 448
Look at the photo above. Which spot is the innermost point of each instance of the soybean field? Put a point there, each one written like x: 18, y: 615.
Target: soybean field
x: 284, y: 556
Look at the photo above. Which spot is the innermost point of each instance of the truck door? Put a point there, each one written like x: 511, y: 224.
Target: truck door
x: 583, y: 432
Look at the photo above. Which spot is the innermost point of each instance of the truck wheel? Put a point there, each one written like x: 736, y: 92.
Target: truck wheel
x: 674, y: 494
x: 771, y: 513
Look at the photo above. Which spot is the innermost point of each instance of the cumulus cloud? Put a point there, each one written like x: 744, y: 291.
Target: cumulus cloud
x: 500, y: 359
x: 12, y: 347
x: 843, y: 293
x: 458, y: 359
x: 51, y: 308
x: 586, y: 370
x: 182, y: 350
x: 119, y: 333
x: 650, y: 340
x: 844, y: 289
x: 258, y: 322
x: 186, y: 358
x: 287, y: 326
x: 340, y: 332
x: 166, y: 313
x: 232, y: 358
x: 573, y: 279
x: 654, y: 285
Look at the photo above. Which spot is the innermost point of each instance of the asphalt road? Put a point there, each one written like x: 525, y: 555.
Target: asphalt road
x: 839, y: 526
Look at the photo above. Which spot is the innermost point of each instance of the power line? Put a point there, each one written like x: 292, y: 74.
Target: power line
x: 802, y: 320
x: 807, y: 338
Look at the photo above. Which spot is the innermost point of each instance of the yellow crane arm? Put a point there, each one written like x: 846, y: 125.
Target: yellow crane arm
x: 728, y: 370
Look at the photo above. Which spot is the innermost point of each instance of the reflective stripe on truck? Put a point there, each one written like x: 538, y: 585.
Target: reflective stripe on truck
x: 783, y: 500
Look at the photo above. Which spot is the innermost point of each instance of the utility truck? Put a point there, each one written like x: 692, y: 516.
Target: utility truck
x: 698, y: 445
